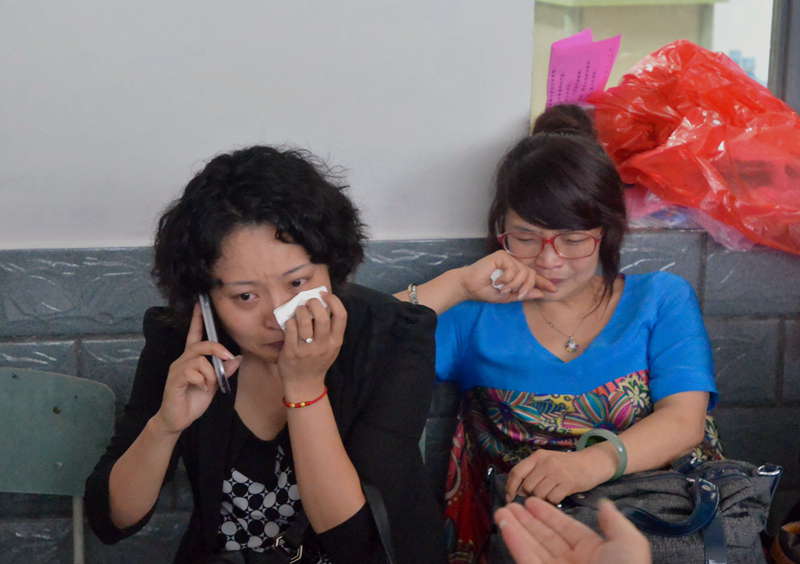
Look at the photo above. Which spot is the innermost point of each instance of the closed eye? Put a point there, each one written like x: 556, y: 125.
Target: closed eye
x: 575, y: 237
x: 528, y: 239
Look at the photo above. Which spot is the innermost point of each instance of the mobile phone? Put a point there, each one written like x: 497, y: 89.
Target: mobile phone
x: 211, y: 334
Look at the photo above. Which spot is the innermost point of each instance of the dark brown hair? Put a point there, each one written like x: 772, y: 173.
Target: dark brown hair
x: 287, y: 188
x: 560, y: 177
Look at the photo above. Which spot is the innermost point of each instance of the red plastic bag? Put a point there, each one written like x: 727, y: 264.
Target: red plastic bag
x: 694, y: 129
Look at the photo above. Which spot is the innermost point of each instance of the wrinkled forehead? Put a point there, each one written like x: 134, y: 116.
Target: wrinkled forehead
x: 254, y: 253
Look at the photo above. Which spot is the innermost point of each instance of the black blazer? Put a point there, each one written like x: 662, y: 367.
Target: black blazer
x: 380, y: 390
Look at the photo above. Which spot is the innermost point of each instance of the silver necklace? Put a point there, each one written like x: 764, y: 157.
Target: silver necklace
x: 571, y: 346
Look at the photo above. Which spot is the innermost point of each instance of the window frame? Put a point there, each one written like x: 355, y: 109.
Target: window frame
x: 784, y: 67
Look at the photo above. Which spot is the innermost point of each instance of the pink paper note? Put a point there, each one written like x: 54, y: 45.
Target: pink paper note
x: 580, y: 38
x: 579, y: 67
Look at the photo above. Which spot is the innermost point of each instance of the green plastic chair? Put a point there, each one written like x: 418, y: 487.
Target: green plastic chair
x: 53, y: 430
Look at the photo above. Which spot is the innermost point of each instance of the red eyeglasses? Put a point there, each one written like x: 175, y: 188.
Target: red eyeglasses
x: 568, y: 245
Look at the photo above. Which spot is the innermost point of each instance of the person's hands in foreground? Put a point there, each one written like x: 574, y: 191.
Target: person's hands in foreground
x: 539, y: 533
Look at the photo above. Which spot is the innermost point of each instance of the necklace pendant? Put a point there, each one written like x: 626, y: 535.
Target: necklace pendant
x: 571, y: 345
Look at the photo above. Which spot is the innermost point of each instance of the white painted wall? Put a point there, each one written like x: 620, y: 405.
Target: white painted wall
x: 108, y: 107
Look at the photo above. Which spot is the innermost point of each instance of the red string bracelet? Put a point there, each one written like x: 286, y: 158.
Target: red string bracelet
x: 296, y: 404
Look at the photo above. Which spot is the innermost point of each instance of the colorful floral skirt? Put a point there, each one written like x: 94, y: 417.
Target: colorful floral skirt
x: 500, y: 428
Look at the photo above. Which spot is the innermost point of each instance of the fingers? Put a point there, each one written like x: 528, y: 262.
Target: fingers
x: 557, y: 494
x: 550, y: 539
x: 338, y: 318
x: 513, y: 273
x: 615, y: 525
x: 572, y: 531
x: 544, y: 485
x: 323, y: 325
x: 540, y: 486
x: 321, y: 316
x: 314, y: 320
x: 200, y: 373
x: 197, y: 370
x: 519, y: 280
x: 545, y: 284
x: 195, y: 345
x: 520, y: 277
x: 517, y: 475
x: 528, y: 290
x: 196, y: 379
x: 231, y: 366
x: 535, y: 475
x: 195, y: 334
x: 290, y: 337
x: 208, y: 348
x: 304, y: 321
x: 523, y: 547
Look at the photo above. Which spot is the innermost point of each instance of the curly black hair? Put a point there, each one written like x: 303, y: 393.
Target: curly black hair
x: 287, y: 188
x: 560, y: 177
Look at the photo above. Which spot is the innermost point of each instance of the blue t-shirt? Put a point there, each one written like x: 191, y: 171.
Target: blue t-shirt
x: 656, y: 327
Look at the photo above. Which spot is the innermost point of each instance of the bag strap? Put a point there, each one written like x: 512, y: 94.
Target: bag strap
x: 381, y: 518
x: 714, y: 542
x: 290, y: 543
x: 705, y: 495
x: 705, y: 517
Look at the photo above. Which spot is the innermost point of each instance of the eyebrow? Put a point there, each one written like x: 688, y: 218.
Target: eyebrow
x: 536, y: 231
x: 238, y: 283
x: 256, y: 283
x: 516, y: 227
x: 295, y: 269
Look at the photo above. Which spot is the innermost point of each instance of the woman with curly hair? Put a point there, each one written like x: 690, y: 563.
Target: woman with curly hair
x: 320, y: 410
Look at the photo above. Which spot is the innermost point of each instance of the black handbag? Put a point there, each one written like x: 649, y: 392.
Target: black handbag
x: 709, y: 512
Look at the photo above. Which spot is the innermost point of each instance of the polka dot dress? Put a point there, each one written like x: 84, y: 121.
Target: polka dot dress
x: 252, y: 515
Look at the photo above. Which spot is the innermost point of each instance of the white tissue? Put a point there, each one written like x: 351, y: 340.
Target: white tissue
x: 494, y: 276
x: 285, y: 312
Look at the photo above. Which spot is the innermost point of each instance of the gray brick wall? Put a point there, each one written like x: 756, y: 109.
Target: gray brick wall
x: 79, y: 312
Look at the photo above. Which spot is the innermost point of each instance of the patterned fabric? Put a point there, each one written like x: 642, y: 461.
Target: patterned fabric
x: 252, y: 516
x: 502, y: 427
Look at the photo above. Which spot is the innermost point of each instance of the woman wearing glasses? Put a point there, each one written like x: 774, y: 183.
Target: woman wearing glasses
x: 550, y: 343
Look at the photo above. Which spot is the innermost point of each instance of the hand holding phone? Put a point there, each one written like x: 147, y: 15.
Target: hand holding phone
x: 211, y: 333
